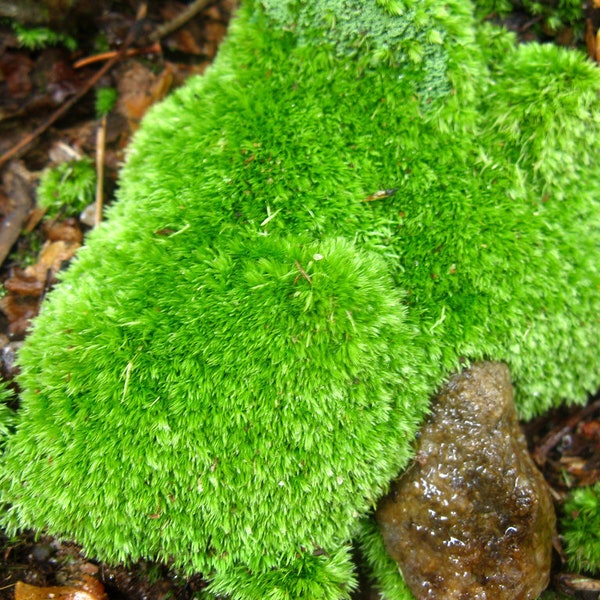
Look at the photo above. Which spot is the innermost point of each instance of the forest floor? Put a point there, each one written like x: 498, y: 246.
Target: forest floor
x: 48, y: 114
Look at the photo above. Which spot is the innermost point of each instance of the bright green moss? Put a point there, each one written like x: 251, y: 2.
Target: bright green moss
x: 581, y: 529
x: 249, y: 344
x: 385, y: 575
x: 37, y: 38
x: 7, y: 416
x: 68, y: 187
x: 106, y: 98
x: 414, y: 37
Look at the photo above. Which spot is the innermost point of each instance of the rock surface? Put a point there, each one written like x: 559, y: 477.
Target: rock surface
x: 472, y: 518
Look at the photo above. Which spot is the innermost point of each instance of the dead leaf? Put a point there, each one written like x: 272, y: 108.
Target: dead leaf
x: 16, y: 70
x: 24, y: 285
x: 19, y: 311
x: 186, y: 42
x: 51, y: 259
x: 139, y: 88
x: 66, y: 231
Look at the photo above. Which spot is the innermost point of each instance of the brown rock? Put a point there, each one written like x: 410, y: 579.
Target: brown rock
x: 472, y: 518
x: 87, y: 589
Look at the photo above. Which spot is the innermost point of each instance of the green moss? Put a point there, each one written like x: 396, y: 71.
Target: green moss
x: 318, y: 577
x: 249, y: 343
x: 106, y: 97
x: 37, y: 38
x: 68, y: 187
x: 386, y: 577
x: 581, y: 529
x: 418, y: 44
x: 7, y: 415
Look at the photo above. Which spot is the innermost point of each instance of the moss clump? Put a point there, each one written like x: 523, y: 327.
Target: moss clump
x: 372, y: 32
x: 581, y: 529
x: 106, y: 98
x: 38, y: 38
x: 68, y: 187
x: 249, y: 344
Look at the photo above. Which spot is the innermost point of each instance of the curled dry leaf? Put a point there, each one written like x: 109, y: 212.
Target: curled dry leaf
x: 52, y: 258
x: 19, y: 310
x: 67, y: 231
x: 26, y: 287
x: 139, y: 89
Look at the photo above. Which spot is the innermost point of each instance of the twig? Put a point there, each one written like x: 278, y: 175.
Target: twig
x: 100, y: 152
x: 89, y: 60
x: 529, y: 24
x: 82, y: 92
x: 302, y: 272
x: 183, y: 17
x: 567, y: 582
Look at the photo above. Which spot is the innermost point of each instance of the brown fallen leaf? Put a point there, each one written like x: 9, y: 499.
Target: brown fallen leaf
x: 139, y: 88
x: 186, y: 42
x: 26, y: 287
x: 67, y: 231
x: 16, y: 70
x: 51, y: 259
x: 19, y: 311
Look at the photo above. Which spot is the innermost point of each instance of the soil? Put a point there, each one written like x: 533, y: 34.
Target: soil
x: 53, y: 88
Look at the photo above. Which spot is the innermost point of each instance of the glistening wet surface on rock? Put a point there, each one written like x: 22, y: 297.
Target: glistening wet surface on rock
x: 472, y: 518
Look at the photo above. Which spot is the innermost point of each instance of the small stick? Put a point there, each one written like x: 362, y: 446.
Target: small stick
x: 89, y: 60
x: 530, y: 24
x: 82, y: 92
x: 183, y: 17
x: 570, y: 581
x: 303, y: 273
x: 100, y: 152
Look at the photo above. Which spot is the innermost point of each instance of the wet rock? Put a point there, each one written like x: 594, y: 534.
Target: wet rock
x: 472, y: 518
